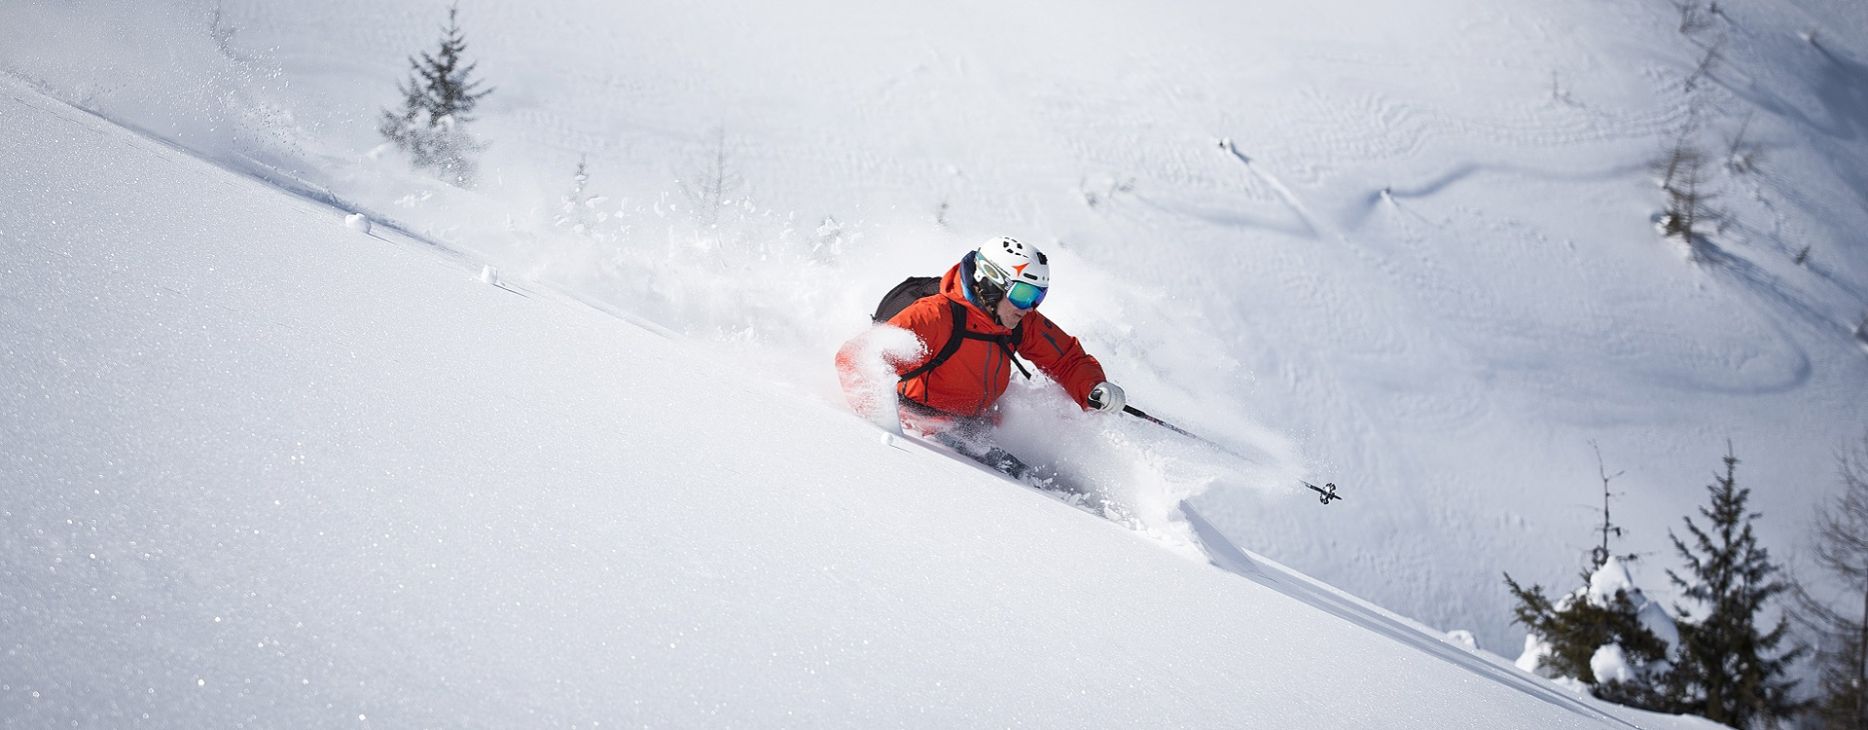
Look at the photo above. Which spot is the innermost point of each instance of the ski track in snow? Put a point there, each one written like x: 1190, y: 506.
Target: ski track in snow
x: 1226, y: 556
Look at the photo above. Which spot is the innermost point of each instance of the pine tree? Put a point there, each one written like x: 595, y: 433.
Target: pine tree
x: 1841, y: 657
x: 1601, y: 614
x: 1579, y: 625
x: 438, y: 102
x: 1729, y: 671
x: 1576, y: 627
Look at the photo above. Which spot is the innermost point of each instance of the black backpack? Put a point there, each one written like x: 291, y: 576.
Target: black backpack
x: 916, y: 288
x: 911, y: 289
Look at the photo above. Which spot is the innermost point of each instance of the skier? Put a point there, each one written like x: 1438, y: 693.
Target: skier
x: 984, y: 309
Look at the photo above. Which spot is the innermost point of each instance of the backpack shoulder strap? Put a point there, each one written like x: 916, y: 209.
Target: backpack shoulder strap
x: 958, y: 315
x: 1012, y: 355
x: 1009, y: 344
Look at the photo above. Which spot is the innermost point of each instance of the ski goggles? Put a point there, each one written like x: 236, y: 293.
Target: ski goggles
x: 1024, y: 295
x: 1021, y: 294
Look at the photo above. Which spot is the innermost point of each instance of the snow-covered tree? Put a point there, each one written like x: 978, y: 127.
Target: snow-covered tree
x: 1729, y: 671
x: 438, y: 102
x: 1605, y: 637
x: 579, y: 210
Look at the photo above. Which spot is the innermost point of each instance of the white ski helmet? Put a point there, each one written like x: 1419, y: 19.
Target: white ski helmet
x: 1003, y: 263
x: 1007, y: 260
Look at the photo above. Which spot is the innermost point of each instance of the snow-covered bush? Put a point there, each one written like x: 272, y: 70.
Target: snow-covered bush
x: 1606, y: 637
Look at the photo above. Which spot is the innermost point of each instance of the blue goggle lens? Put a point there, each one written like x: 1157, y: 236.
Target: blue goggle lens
x: 1024, y: 295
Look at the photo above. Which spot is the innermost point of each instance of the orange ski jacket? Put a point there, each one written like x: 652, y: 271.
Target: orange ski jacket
x: 971, y: 381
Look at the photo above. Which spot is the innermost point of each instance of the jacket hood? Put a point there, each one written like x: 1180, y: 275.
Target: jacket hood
x: 956, y: 284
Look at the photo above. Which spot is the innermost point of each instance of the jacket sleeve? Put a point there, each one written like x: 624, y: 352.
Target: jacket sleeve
x: 870, y: 363
x: 928, y: 319
x: 1061, y: 357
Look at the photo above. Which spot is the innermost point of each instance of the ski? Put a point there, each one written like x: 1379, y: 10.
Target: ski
x: 1048, y: 484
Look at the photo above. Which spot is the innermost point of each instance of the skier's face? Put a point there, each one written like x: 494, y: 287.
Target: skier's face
x: 1008, y: 314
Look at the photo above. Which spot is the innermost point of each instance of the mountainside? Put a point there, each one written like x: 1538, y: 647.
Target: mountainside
x: 263, y: 468
x: 1411, y: 249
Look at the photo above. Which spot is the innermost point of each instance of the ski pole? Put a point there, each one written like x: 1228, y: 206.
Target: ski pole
x: 1139, y: 413
x: 1326, y: 493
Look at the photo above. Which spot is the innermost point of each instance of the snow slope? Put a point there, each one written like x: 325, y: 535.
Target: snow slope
x: 1422, y: 264
x: 262, y: 468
